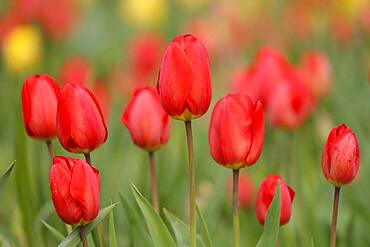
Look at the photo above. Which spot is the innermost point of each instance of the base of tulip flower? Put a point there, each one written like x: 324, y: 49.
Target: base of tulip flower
x: 334, y: 218
x: 83, y: 236
x: 236, y: 230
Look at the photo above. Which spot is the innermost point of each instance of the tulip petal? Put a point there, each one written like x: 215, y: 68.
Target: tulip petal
x: 258, y: 130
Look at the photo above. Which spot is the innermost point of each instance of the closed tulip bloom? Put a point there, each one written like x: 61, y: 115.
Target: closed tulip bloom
x: 80, y: 123
x: 146, y: 120
x: 236, y: 131
x: 39, y: 106
x: 265, y: 195
x: 75, y: 190
x: 184, y: 81
x: 341, y: 157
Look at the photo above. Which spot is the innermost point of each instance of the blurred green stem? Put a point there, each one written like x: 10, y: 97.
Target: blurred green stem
x: 153, y: 182
x: 334, y: 218
x: 50, y: 149
x: 236, y: 230
x: 88, y: 158
x: 189, y: 138
x: 83, y: 236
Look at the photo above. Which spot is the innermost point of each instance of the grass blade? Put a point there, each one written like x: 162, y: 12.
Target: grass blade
x: 204, y: 229
x: 4, y: 178
x: 112, y: 231
x: 57, y: 234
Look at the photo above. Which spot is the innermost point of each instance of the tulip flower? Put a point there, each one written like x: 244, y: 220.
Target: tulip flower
x: 340, y: 163
x: 184, y: 86
x: 80, y: 123
x: 75, y: 190
x: 102, y: 94
x: 246, y: 190
x: 76, y: 70
x: 236, y: 136
x: 265, y: 195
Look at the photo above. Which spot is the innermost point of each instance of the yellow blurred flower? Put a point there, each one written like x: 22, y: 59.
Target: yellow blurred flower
x: 144, y: 13
x: 350, y: 8
x: 193, y: 4
x: 22, y: 48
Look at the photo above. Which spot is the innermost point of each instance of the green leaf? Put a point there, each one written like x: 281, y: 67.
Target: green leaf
x: 112, y: 231
x: 161, y: 237
x: 73, y: 239
x: 58, y: 235
x: 4, y: 178
x: 272, y: 223
x: 181, y: 231
x: 204, y: 229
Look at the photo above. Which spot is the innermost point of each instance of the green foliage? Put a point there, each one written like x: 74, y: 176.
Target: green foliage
x: 4, y: 178
x: 112, y: 231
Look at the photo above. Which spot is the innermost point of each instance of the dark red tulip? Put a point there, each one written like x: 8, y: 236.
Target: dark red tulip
x: 146, y: 120
x: 75, y: 190
x: 265, y: 195
x: 246, y: 190
x: 80, y: 123
x: 39, y: 106
x: 341, y: 157
x: 184, y: 81
x: 236, y: 131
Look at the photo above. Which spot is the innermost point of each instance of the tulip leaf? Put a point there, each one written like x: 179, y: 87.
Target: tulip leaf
x: 159, y: 233
x: 57, y: 234
x: 73, y: 239
x: 181, y: 231
x: 4, y: 178
x: 204, y: 228
x: 112, y: 231
x: 272, y: 223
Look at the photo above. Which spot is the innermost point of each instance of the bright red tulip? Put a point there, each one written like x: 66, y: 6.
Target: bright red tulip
x: 236, y: 131
x: 265, y: 195
x: 39, y: 106
x: 184, y: 81
x: 75, y: 190
x: 246, y: 190
x: 341, y: 157
x: 146, y: 120
x: 80, y: 123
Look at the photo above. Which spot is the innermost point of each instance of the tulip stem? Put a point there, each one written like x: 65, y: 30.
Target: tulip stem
x: 193, y: 223
x: 334, y: 218
x: 50, y: 149
x: 88, y: 158
x: 236, y: 229
x: 83, y: 236
x: 153, y: 182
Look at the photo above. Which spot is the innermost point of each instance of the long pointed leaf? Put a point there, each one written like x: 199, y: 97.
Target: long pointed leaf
x: 112, y: 231
x: 57, y: 234
x: 204, y: 229
x: 4, y: 178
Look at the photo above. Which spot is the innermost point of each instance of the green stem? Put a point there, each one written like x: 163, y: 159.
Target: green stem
x: 153, y: 182
x: 83, y: 236
x: 335, y: 216
x: 88, y: 158
x: 50, y: 149
x: 236, y: 230
x: 192, y: 208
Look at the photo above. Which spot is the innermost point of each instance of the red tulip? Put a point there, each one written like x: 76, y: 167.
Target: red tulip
x: 184, y: 81
x: 39, y: 106
x: 341, y: 157
x: 146, y: 120
x: 75, y: 190
x: 246, y: 190
x: 80, y: 123
x: 76, y: 70
x: 102, y: 94
x: 265, y: 195
x: 236, y: 131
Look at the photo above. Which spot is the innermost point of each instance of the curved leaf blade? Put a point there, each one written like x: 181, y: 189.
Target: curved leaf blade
x: 204, y: 229
x: 57, y: 234
x: 4, y: 178
x: 112, y: 231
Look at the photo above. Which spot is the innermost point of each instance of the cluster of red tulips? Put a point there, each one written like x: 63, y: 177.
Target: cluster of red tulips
x: 184, y: 90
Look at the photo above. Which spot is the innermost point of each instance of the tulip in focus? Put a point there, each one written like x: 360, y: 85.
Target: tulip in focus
x: 184, y: 81
x: 246, y: 190
x: 80, y: 123
x: 236, y: 131
x: 146, y: 120
x: 265, y: 195
x: 39, y: 106
x: 75, y: 190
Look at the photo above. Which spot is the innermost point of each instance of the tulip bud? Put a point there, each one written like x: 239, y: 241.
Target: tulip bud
x: 75, y: 190
x: 246, y: 190
x: 341, y: 157
x: 80, y: 123
x: 146, y: 120
x: 265, y: 195
x: 184, y: 81
x: 39, y: 106
x: 236, y: 131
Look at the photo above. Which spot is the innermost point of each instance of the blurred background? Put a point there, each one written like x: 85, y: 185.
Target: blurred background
x: 114, y: 46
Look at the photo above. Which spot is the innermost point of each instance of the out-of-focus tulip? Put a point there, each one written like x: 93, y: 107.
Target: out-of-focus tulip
x: 236, y: 131
x: 80, y: 123
x: 102, y: 94
x: 39, y: 106
x: 341, y: 157
x: 315, y: 69
x: 146, y: 120
x: 265, y: 195
x: 76, y: 70
x: 184, y: 81
x: 22, y: 48
x: 246, y: 190
x: 75, y: 190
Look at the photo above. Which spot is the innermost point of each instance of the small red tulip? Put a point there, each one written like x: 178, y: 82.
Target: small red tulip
x: 75, y: 190
x: 265, y: 195
x: 146, y: 120
x: 246, y: 190
x: 184, y: 81
x: 341, y: 157
x: 80, y: 123
x: 76, y: 70
x: 39, y: 106
x: 102, y: 94
x: 236, y: 131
